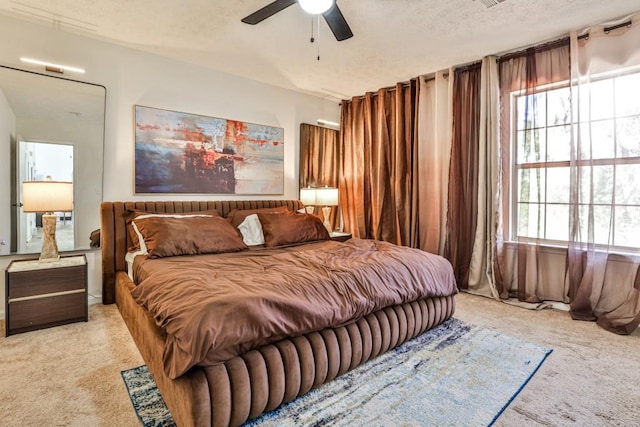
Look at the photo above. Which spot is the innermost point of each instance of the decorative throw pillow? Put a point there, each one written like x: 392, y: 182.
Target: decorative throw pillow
x: 236, y: 216
x: 293, y: 228
x: 133, y: 234
x: 165, y: 236
x: 251, y: 231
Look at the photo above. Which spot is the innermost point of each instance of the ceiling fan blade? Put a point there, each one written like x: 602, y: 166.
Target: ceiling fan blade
x: 270, y: 9
x: 337, y: 23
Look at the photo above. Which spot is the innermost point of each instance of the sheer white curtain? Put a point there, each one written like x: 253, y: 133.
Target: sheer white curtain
x: 604, y: 282
x: 434, y: 151
x: 524, y: 266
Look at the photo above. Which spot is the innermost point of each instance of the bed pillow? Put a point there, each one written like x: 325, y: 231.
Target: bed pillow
x: 251, y: 230
x: 292, y: 228
x: 165, y: 236
x: 130, y: 215
x: 237, y: 216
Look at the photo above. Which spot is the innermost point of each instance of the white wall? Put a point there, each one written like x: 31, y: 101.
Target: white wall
x: 133, y: 77
x: 7, y: 133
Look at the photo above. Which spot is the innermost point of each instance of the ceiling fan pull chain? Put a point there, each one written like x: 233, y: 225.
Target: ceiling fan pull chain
x: 312, y: 39
x: 318, y: 26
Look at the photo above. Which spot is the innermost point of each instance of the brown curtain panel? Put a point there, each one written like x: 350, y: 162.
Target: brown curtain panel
x: 378, y: 179
x: 463, y: 172
x: 320, y: 162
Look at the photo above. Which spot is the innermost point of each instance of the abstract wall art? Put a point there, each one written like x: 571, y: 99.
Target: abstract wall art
x: 188, y: 153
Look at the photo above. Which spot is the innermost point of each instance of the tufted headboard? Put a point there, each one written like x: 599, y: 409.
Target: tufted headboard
x: 114, y: 232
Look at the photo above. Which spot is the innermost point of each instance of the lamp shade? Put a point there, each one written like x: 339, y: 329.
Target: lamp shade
x: 47, y: 196
x: 315, y: 7
x: 308, y: 196
x: 327, y: 196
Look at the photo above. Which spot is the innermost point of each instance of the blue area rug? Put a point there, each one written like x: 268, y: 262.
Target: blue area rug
x: 454, y: 375
x: 146, y: 398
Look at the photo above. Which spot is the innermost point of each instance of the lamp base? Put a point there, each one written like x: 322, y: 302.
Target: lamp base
x: 326, y: 212
x: 49, y: 246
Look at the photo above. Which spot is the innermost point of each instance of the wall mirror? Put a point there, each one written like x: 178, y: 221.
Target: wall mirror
x: 319, y: 161
x: 51, y: 128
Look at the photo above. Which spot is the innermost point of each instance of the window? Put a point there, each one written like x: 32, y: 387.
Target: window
x: 609, y: 124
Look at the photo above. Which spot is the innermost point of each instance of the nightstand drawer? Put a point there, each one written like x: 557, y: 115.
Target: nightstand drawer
x: 26, y: 284
x: 37, y: 313
x: 44, y: 294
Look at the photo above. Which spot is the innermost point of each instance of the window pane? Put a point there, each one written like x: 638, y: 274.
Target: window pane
x: 558, y: 107
x: 629, y: 136
x: 596, y: 140
x: 628, y: 185
x: 627, y: 226
x: 530, y: 220
x: 599, y: 232
x: 627, y: 101
x: 599, y: 180
x: 596, y: 100
x: 531, y: 111
x: 531, y: 183
x: 608, y: 129
x: 531, y: 146
x: 602, y: 223
x: 558, y: 185
x: 558, y: 223
x: 559, y: 143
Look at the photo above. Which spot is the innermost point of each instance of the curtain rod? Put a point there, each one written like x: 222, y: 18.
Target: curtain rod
x: 388, y: 89
x: 431, y: 77
x: 538, y: 48
x: 607, y: 30
x: 468, y: 67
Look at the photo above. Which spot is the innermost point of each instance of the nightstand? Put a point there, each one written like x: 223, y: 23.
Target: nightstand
x: 339, y: 237
x: 44, y: 294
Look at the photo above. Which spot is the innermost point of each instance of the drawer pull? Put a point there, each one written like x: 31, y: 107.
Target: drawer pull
x: 54, y: 294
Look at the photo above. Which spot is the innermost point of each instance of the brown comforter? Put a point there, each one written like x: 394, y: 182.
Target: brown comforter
x: 215, y: 307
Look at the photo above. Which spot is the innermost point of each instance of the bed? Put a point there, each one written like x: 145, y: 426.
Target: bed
x: 244, y: 379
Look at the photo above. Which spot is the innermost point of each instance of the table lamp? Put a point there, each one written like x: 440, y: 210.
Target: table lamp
x: 47, y: 197
x: 308, y: 198
x: 327, y: 197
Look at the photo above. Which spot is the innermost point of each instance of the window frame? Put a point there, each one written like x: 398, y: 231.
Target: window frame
x: 515, y: 167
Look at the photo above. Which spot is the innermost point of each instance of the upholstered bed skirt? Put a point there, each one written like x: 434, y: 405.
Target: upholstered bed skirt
x: 261, y: 380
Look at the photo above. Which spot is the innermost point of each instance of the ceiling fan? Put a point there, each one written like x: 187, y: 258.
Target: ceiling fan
x: 328, y: 8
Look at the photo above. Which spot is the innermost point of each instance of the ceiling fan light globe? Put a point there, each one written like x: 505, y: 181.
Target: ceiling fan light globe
x: 315, y: 7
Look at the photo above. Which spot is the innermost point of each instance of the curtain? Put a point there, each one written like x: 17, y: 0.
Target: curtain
x: 378, y: 164
x: 482, y: 264
x: 320, y: 161
x: 434, y: 151
x: 604, y: 284
x: 523, y: 115
x: 572, y: 109
x: 463, y: 172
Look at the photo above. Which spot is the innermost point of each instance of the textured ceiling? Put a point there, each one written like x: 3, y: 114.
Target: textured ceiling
x: 393, y: 41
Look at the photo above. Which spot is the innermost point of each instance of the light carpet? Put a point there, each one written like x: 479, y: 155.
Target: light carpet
x: 456, y: 374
